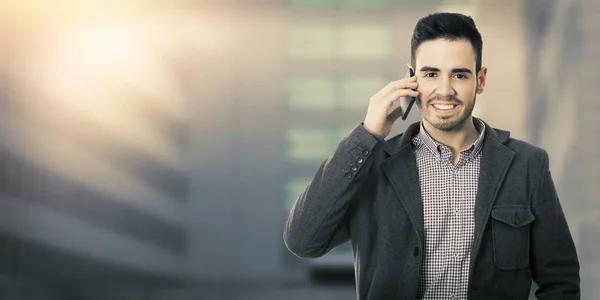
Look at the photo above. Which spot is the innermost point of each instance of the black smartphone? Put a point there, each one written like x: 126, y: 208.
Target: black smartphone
x: 406, y: 103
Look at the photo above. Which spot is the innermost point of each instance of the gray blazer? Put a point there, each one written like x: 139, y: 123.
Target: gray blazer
x: 368, y: 193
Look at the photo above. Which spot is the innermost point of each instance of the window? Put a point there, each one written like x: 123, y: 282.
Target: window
x: 293, y: 189
x: 324, y: 4
x: 327, y: 93
x: 359, y: 41
x: 365, y: 41
x: 451, y: 2
x: 364, y: 3
x: 314, y: 93
x: 310, y: 42
x: 355, y: 91
x: 311, y: 144
x: 315, y: 4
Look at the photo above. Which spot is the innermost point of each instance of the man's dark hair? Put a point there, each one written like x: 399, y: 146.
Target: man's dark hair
x: 450, y: 26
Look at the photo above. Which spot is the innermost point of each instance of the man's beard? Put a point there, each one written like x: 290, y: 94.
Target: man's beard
x: 447, y: 125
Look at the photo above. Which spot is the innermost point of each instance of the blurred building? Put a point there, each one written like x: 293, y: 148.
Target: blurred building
x: 147, y: 180
x: 565, y: 45
x: 87, y: 204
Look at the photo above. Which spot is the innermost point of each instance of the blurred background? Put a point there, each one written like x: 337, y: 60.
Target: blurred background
x: 152, y: 149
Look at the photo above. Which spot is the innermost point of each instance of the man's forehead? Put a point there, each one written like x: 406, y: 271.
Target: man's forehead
x: 445, y: 54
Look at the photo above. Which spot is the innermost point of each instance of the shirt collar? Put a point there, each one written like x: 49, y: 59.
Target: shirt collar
x: 425, y: 139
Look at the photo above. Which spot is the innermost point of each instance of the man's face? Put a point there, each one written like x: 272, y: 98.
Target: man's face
x: 448, y: 83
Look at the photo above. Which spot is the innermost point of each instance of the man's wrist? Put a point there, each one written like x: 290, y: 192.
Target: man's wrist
x: 380, y: 138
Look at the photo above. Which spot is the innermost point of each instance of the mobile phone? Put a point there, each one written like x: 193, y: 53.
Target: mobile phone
x: 406, y: 103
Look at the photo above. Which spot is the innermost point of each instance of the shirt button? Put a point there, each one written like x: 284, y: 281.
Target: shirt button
x: 456, y: 210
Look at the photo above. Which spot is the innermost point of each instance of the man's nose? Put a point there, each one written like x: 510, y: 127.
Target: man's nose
x: 445, y: 88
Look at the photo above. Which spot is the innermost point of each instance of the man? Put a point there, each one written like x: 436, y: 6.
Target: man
x: 450, y: 209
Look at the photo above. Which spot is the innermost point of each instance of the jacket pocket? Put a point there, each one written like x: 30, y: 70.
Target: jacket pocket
x: 510, y: 229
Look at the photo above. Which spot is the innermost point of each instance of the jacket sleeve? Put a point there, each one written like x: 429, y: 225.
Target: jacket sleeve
x: 554, y: 260
x: 316, y: 222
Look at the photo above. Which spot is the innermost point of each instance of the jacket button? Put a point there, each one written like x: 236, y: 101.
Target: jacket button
x: 516, y: 220
x: 416, y: 251
x: 348, y: 175
x: 354, y: 168
x: 365, y: 152
x: 360, y: 160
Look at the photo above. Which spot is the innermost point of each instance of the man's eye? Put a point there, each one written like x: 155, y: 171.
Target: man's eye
x: 430, y: 75
x: 461, y: 76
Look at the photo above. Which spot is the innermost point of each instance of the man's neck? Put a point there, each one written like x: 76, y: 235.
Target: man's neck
x: 458, y: 140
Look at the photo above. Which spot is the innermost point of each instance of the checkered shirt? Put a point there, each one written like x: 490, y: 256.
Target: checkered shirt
x: 448, y: 193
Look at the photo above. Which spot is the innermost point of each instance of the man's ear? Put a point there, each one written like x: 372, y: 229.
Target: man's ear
x: 481, y: 77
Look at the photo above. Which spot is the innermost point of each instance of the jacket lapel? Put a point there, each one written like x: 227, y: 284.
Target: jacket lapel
x: 403, y: 174
x: 495, y: 161
x: 401, y: 170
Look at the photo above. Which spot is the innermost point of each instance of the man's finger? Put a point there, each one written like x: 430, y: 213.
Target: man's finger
x: 395, y: 95
x: 405, y: 83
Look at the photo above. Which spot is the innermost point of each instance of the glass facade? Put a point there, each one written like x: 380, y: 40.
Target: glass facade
x: 326, y: 101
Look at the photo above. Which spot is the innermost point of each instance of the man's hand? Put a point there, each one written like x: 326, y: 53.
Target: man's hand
x: 379, y: 119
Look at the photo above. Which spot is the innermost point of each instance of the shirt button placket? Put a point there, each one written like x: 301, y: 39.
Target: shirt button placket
x: 454, y: 216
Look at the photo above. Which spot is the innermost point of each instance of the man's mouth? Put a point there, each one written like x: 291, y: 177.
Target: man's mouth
x: 444, y: 107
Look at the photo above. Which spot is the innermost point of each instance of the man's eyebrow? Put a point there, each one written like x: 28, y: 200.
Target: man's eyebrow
x: 455, y: 70
x: 462, y: 70
x: 429, y: 69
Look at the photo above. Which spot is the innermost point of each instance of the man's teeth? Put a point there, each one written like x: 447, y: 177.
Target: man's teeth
x: 443, y: 107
